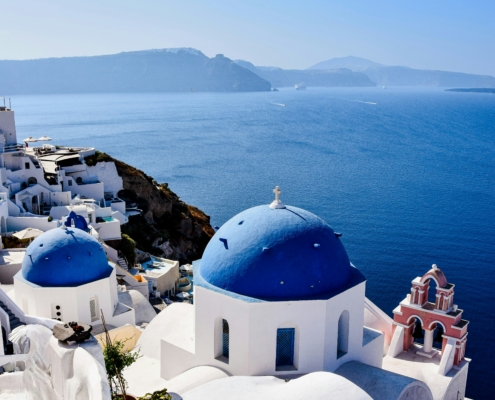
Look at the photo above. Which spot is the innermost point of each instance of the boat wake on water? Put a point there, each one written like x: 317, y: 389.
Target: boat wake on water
x: 279, y: 104
x: 365, y: 102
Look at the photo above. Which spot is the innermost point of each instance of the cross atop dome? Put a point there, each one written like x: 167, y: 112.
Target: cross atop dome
x: 277, y: 203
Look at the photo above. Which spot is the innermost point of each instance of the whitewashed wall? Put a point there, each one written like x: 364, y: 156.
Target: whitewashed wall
x: 20, y: 223
x: 107, y: 173
x: 253, y: 332
x: 7, y: 124
x: 74, y: 301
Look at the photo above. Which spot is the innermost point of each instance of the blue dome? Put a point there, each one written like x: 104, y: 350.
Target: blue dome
x: 65, y: 257
x: 277, y: 254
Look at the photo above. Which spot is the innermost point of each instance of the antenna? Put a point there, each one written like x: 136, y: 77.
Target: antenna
x: 10, y: 105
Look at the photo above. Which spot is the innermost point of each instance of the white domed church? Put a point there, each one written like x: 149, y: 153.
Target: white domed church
x: 65, y: 275
x: 275, y: 293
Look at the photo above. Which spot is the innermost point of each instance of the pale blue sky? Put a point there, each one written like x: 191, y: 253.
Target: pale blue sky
x: 455, y: 35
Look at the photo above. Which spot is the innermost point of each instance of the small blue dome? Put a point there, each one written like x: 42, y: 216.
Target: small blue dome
x: 65, y: 258
x: 276, y: 254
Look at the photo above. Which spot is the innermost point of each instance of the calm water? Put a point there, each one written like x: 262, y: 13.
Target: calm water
x: 406, y: 174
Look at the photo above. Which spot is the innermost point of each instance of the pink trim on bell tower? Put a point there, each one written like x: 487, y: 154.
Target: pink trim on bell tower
x: 443, y: 312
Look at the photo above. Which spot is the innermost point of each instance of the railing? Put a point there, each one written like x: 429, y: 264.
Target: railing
x: 12, y: 147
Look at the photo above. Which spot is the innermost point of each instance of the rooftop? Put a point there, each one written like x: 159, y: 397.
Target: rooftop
x: 425, y: 369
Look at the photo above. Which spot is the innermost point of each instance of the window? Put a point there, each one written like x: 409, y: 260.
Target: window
x: 225, y: 338
x: 69, y: 182
x: 343, y: 335
x: 285, y: 347
x: 93, y: 309
x: 27, y: 165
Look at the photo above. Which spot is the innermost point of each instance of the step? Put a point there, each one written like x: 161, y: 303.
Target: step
x: 14, y: 321
x: 12, y: 327
x: 7, y: 310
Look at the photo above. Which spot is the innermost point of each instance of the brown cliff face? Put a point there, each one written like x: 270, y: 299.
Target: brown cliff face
x: 167, y: 227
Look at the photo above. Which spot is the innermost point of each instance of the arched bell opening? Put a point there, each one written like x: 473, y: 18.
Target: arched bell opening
x: 438, y: 332
x: 418, y: 332
x: 432, y: 291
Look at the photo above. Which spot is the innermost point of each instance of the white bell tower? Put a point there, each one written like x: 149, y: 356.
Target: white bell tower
x: 7, y: 125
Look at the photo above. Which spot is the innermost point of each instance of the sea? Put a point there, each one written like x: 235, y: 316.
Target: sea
x: 406, y: 174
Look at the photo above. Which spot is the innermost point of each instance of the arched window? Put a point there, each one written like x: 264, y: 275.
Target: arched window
x: 285, y: 348
x: 343, y: 335
x: 221, y: 340
x: 32, y: 180
x: 225, y: 338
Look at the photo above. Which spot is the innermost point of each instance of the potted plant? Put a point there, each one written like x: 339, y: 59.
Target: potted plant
x: 116, y: 359
x: 157, y: 395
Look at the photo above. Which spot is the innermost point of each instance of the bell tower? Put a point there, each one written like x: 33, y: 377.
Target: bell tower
x: 416, y: 314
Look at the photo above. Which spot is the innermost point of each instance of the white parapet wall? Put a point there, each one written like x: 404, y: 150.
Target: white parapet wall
x: 42, y: 223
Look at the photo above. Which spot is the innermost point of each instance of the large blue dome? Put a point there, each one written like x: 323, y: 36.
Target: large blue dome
x: 285, y: 253
x: 65, y: 258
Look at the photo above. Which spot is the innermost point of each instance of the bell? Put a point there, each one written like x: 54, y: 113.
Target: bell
x: 438, y: 337
x: 418, y: 332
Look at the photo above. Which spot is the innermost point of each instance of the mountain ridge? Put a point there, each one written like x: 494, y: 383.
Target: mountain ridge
x: 278, y: 77
x: 406, y: 76
x: 351, y: 62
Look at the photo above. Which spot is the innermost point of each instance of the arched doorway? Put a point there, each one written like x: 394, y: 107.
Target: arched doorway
x: 35, y: 205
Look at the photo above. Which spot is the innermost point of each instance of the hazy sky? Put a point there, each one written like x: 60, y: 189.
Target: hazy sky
x: 454, y: 35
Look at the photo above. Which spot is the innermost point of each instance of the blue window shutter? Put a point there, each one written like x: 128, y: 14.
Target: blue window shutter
x: 225, y: 338
x: 285, y: 347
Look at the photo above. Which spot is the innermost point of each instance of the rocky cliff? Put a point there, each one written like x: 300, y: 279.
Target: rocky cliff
x: 167, y: 227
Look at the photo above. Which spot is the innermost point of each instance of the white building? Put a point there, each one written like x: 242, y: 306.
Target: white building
x: 37, y: 183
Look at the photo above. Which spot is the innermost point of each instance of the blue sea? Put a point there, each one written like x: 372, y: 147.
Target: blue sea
x: 407, y: 175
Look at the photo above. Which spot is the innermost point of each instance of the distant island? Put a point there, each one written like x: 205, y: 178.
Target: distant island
x: 189, y: 70
x: 384, y: 75
x: 473, y: 90
x: 166, y: 70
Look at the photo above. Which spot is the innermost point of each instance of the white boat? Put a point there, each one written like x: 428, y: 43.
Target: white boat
x: 302, y: 86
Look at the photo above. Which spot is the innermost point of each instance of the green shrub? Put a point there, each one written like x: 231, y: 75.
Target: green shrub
x: 128, y: 249
x: 96, y: 158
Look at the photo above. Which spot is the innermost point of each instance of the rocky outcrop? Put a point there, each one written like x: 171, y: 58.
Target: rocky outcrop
x: 167, y: 227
